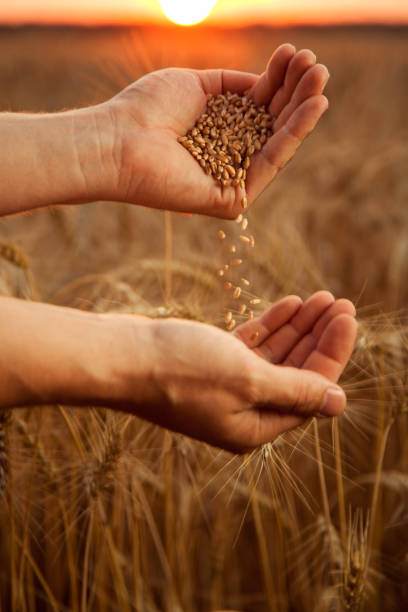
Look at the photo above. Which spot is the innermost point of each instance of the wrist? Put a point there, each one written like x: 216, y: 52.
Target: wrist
x: 72, y: 357
x: 56, y: 158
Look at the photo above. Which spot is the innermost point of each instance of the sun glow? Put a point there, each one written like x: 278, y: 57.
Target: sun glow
x: 187, y: 12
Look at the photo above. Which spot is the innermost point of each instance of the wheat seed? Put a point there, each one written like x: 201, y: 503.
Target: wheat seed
x: 242, y: 309
x: 245, y: 282
x: 231, y: 325
x: 250, y: 315
x: 255, y: 336
x: 230, y: 130
x: 255, y: 301
x: 228, y: 317
x: 224, y: 138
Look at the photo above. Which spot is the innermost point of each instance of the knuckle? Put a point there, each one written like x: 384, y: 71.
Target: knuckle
x: 301, y: 399
x: 250, y: 386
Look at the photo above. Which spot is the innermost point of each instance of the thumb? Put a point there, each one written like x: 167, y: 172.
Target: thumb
x: 303, y: 393
x: 291, y: 396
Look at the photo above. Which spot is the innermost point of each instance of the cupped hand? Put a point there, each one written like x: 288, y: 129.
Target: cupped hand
x: 238, y: 391
x: 153, y: 169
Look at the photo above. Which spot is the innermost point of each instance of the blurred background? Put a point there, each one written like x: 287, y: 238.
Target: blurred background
x: 347, y: 185
x: 103, y: 512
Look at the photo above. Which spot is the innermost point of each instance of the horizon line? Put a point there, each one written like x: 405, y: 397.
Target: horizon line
x: 237, y: 24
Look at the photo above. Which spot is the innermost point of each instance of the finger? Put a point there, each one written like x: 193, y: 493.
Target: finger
x: 334, y: 348
x: 220, y: 81
x: 298, y: 65
x: 282, y: 146
x: 311, y: 84
x: 308, y: 343
x: 301, y: 393
x: 279, y: 345
x: 254, y: 333
x: 341, y: 306
x: 273, y: 78
x: 272, y: 425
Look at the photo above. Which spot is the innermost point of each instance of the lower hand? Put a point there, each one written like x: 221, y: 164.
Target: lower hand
x: 241, y: 390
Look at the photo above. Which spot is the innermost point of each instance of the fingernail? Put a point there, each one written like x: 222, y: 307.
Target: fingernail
x: 334, y: 402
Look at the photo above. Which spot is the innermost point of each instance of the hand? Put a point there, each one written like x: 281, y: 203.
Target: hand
x: 237, y: 391
x: 153, y: 169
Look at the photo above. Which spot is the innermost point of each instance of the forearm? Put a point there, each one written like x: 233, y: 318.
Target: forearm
x: 54, y: 158
x: 54, y: 355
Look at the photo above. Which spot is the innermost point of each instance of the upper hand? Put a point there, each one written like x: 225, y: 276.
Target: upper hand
x: 153, y: 169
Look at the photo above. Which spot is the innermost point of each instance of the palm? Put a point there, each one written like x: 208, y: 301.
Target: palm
x: 167, y: 103
x: 318, y: 336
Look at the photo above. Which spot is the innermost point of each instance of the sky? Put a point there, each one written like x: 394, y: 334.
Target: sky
x: 225, y: 12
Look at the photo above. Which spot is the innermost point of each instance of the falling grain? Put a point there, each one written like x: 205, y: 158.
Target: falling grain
x: 228, y: 317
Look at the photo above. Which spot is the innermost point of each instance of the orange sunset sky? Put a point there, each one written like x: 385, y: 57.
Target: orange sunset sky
x: 225, y: 12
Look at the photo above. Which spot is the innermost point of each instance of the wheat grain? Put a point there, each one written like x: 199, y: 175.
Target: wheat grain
x: 226, y: 135
x: 221, y: 235
x: 255, y: 301
x: 228, y: 317
x: 236, y: 262
x: 237, y: 293
x: 245, y: 282
x: 245, y: 239
x: 244, y: 203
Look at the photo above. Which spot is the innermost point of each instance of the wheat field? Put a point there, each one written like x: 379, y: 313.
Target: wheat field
x: 104, y: 512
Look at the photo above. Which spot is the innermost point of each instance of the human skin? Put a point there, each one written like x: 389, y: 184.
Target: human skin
x: 126, y: 149
x: 225, y: 389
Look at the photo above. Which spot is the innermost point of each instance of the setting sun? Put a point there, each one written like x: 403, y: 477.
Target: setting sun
x: 184, y: 12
